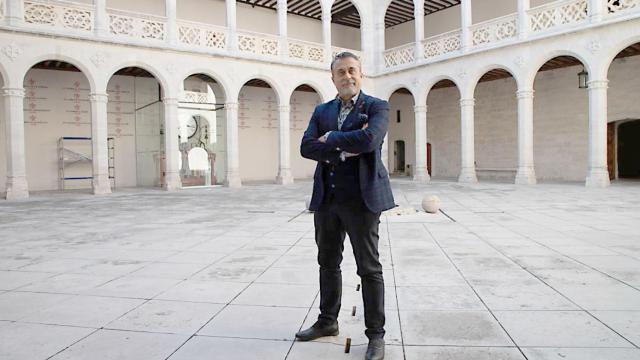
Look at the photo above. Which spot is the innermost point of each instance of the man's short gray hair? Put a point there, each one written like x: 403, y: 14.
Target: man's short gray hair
x: 344, y: 55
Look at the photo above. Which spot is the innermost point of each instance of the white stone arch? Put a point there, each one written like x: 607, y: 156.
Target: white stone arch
x: 474, y: 79
x: 84, y: 69
x: 313, y: 84
x: 401, y: 85
x: 431, y: 82
x: 168, y: 91
x: 364, y: 18
x: 615, y: 49
x: 222, y: 82
x: 5, y: 76
x: 537, y: 63
x: 275, y: 86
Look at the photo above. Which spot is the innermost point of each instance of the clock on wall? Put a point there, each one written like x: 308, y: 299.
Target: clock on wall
x: 192, y: 126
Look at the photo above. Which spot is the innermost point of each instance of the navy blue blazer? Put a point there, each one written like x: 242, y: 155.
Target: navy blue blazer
x: 374, y: 179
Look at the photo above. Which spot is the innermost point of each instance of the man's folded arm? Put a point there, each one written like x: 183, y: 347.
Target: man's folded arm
x: 312, y: 148
x: 367, y: 139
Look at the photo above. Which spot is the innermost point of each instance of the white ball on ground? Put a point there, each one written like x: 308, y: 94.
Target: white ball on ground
x: 431, y: 204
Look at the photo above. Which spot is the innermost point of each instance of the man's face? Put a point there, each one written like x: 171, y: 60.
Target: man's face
x: 347, y: 77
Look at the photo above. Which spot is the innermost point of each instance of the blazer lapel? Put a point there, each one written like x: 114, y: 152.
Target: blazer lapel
x: 331, y: 122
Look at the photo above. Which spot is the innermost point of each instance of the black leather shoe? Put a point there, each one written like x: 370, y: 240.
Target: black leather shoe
x: 317, y: 331
x: 375, y: 350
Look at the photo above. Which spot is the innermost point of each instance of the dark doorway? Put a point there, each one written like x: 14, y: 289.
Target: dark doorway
x: 399, y: 152
x: 629, y: 149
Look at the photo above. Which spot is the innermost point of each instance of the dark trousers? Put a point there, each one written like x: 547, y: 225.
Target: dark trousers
x: 332, y: 221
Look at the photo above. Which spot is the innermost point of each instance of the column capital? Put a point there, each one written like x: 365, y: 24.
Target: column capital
x: 17, y: 92
x: 468, y: 102
x: 99, y: 97
x: 598, y: 84
x: 282, y: 5
x: 170, y: 101
x: 284, y: 108
x: 420, y: 108
x: 525, y: 94
x: 231, y: 106
x: 418, y: 11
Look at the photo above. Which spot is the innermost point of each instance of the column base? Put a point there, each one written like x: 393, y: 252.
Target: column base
x: 525, y: 176
x: 468, y: 175
x: 233, y: 180
x: 284, y: 177
x: 598, y: 178
x: 17, y: 189
x: 421, y: 176
x: 172, y: 182
x: 101, y: 185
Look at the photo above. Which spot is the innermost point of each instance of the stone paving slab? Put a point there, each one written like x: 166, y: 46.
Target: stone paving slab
x: 504, y: 272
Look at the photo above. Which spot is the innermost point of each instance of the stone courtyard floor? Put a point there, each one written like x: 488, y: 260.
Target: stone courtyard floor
x: 505, y: 272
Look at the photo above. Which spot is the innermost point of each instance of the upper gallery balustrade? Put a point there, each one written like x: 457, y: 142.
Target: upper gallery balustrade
x: 540, y: 21
x: 93, y: 19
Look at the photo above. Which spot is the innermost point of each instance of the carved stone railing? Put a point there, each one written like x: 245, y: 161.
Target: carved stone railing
x: 59, y: 14
x: 136, y: 26
x: 306, y: 51
x: 2, y: 9
x: 620, y: 6
x: 195, y: 97
x: 495, y: 30
x: 400, y: 55
x: 258, y: 44
x: 202, y: 35
x: 442, y: 44
x: 557, y: 14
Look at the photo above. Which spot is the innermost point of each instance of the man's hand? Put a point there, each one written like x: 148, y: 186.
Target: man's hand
x: 323, y: 138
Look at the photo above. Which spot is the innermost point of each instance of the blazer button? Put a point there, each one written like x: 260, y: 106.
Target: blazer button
x: 333, y: 186
x: 331, y: 174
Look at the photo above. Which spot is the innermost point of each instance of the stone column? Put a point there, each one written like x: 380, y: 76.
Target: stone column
x: 233, y: 149
x: 598, y: 172
x: 282, y: 28
x: 526, y: 174
x: 16, y: 186
x: 467, y: 163
x: 466, y: 21
x: 99, y: 146
x: 326, y: 33
x: 232, y: 40
x: 379, y: 47
x: 172, y: 180
x: 14, y: 15
x: 596, y: 9
x: 523, y: 19
x: 284, y: 147
x: 418, y: 13
x: 172, y: 22
x: 101, y: 27
x: 420, y: 173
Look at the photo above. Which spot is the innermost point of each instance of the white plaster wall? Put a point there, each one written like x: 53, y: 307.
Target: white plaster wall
x: 560, y: 125
x: 153, y: 7
x: 496, y: 125
x: 345, y: 37
x: 256, y: 19
x: 624, y: 87
x: 443, y: 132
x: 490, y: 9
x: 122, y: 127
x: 205, y: 11
x: 405, y: 130
x: 258, y: 134
x: 50, y: 113
x: 149, y: 125
x: 302, y: 106
x: 303, y: 28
